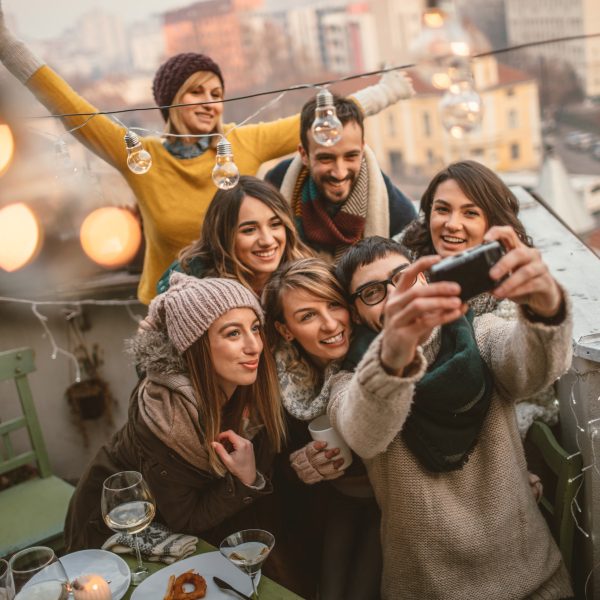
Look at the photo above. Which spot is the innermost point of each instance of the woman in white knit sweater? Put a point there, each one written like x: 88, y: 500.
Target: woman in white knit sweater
x: 430, y: 409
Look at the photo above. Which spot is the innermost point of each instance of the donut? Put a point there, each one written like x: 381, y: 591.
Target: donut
x: 175, y: 590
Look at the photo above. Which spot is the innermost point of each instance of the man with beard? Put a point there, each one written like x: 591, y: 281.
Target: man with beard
x: 338, y: 194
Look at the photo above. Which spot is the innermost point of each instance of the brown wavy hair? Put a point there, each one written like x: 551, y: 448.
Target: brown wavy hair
x: 215, y: 247
x: 260, y: 400
x: 483, y: 187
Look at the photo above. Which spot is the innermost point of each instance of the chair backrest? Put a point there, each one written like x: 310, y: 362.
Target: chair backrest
x: 16, y: 364
x: 556, y: 503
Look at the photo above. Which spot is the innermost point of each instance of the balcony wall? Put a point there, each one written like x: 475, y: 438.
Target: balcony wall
x: 577, y: 268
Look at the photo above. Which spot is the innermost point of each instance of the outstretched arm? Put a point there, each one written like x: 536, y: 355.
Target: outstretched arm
x: 101, y: 135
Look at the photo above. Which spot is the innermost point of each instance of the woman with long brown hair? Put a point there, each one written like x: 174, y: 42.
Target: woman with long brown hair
x: 204, y: 423
x: 247, y: 233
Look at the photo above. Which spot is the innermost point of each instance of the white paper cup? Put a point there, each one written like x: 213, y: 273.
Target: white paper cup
x: 321, y: 430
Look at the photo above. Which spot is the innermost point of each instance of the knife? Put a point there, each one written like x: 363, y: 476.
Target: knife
x: 223, y: 585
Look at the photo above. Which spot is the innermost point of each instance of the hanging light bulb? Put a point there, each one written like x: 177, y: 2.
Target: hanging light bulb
x: 7, y: 147
x: 20, y: 236
x: 225, y: 173
x: 326, y: 128
x: 442, y: 48
x: 461, y: 109
x: 139, y: 160
x: 110, y: 236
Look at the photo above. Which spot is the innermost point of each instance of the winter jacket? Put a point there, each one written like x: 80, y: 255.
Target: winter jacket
x: 190, y: 497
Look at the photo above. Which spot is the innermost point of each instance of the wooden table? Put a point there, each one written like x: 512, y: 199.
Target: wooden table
x: 267, y: 588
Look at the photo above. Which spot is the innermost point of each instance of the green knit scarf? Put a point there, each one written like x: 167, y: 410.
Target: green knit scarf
x: 451, y: 401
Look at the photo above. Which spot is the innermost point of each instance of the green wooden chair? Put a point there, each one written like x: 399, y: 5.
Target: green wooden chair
x: 556, y: 500
x: 32, y: 512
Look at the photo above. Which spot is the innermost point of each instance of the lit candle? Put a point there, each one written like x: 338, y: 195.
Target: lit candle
x: 91, y: 587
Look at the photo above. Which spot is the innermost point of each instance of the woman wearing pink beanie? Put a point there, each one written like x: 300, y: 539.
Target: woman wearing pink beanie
x: 174, y: 194
x: 204, y: 423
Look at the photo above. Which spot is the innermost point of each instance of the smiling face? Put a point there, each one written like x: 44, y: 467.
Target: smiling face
x: 203, y: 86
x: 380, y: 269
x: 235, y: 348
x: 321, y: 327
x: 260, y: 239
x: 335, y: 170
x: 456, y: 222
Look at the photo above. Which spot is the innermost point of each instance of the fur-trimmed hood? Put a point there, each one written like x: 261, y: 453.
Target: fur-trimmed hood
x: 153, y: 352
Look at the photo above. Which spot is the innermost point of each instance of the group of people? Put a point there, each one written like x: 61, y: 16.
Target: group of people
x: 279, y: 301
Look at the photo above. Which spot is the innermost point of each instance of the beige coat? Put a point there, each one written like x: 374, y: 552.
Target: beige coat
x: 475, y: 533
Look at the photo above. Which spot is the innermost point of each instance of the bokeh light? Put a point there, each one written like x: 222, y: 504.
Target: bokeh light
x: 20, y: 236
x: 7, y: 147
x: 110, y: 236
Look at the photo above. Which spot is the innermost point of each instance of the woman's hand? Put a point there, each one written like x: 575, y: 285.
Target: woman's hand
x: 313, y: 463
x: 529, y: 281
x: 240, y: 461
x: 411, y: 314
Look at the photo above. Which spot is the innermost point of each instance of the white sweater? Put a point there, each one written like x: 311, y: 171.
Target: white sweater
x: 470, y: 534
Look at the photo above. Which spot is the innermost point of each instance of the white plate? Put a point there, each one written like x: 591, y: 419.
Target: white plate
x: 107, y: 564
x: 207, y: 565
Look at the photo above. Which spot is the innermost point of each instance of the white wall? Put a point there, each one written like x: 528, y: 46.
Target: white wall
x: 109, y: 327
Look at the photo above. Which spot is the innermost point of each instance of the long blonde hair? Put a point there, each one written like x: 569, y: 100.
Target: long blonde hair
x: 175, y: 123
x: 311, y: 275
x: 215, y: 249
x: 260, y: 400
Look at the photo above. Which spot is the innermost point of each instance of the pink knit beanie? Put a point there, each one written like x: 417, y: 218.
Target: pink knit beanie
x: 191, y: 305
x: 172, y: 74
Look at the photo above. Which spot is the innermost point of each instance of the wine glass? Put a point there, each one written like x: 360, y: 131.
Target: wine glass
x: 7, y: 586
x: 248, y: 550
x: 38, y: 575
x: 128, y: 507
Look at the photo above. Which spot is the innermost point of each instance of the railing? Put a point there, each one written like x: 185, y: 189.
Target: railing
x: 577, y: 268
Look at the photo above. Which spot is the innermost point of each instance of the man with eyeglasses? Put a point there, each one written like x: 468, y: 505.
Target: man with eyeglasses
x: 368, y: 271
x: 429, y: 407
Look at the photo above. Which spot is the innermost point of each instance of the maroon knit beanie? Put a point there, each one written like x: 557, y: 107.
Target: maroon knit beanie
x: 172, y: 74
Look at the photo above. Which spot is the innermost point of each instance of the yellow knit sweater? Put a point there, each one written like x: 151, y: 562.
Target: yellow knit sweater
x: 174, y: 195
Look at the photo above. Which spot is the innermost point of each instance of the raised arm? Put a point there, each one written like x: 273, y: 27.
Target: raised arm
x: 370, y: 408
x: 101, y: 134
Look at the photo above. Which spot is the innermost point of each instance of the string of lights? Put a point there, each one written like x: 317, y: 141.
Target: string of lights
x: 322, y: 84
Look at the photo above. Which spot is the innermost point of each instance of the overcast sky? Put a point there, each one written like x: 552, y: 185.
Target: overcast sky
x: 41, y: 19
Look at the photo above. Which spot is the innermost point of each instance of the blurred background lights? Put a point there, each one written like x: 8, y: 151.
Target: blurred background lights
x: 20, y: 236
x: 7, y: 147
x: 461, y: 109
x: 110, y: 236
x: 443, y: 46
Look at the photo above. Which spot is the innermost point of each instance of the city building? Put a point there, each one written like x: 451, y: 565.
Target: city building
x: 215, y: 27
x: 536, y: 20
x: 347, y: 34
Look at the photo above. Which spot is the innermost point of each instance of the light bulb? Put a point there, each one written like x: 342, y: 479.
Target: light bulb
x: 139, y: 160
x: 442, y: 48
x: 225, y: 173
x: 326, y: 128
x: 461, y: 109
x: 110, y: 236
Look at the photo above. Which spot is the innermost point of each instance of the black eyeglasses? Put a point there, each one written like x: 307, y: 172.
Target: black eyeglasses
x: 375, y: 292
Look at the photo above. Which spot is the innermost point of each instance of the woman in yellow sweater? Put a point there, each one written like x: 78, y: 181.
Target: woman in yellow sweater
x: 174, y: 194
